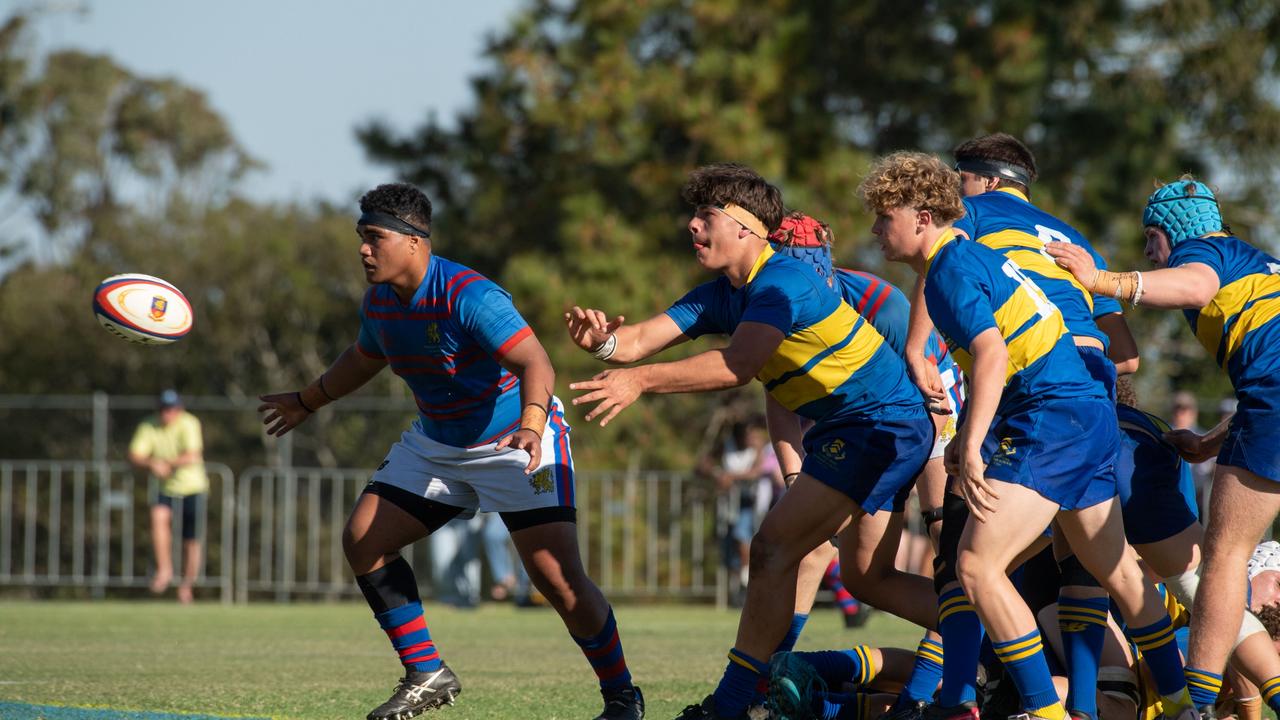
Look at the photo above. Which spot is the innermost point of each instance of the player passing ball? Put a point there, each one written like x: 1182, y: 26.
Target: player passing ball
x: 815, y: 356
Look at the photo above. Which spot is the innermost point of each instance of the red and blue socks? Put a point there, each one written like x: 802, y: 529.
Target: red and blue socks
x: 1083, y: 623
x: 392, y: 594
x: 604, y: 652
x: 844, y: 601
x: 961, y: 632
x: 1024, y: 660
x: 738, y: 685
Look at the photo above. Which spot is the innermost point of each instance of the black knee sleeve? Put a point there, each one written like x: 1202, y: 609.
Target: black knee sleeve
x: 1073, y: 573
x: 390, y: 586
x: 955, y: 513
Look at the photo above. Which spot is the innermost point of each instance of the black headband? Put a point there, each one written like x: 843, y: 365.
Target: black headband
x: 391, y: 222
x: 996, y: 169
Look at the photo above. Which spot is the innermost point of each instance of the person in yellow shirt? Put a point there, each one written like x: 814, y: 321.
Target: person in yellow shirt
x: 170, y: 446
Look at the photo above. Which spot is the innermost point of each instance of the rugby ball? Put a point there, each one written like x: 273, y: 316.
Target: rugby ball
x: 142, y: 309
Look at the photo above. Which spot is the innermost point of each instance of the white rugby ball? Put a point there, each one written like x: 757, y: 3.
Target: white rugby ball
x: 142, y: 309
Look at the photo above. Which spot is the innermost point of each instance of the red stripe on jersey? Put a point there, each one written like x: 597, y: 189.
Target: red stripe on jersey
x: 866, y: 295
x: 438, y: 412
x: 508, y: 429
x: 403, y: 315
x: 879, y: 301
x: 418, y: 623
x: 511, y: 342
x: 453, y: 296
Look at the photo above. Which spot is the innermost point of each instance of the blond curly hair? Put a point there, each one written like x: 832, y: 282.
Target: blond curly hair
x: 913, y: 180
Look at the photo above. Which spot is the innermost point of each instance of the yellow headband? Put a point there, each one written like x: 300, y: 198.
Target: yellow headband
x: 746, y: 219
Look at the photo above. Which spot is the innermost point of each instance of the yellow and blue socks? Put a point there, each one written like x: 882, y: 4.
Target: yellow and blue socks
x: 738, y: 685
x: 837, y: 667
x: 1083, y: 623
x: 926, y: 673
x: 1160, y: 651
x: 844, y: 706
x: 1023, y: 659
x: 1270, y: 693
x: 1205, y: 686
x: 392, y: 594
x: 604, y: 652
x: 961, y: 632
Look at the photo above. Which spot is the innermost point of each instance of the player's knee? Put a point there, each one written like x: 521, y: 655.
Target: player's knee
x: 974, y: 573
x: 766, y: 552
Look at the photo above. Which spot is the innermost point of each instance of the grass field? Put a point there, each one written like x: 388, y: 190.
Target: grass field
x: 331, y: 661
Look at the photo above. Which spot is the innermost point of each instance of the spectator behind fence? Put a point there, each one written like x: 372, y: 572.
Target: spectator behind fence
x: 170, y: 446
x: 747, y: 462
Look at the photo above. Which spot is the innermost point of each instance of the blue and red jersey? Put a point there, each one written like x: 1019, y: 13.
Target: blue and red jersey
x: 446, y: 343
x: 889, y: 311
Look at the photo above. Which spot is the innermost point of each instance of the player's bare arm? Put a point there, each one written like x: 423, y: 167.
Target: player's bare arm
x: 613, y: 390
x: 1197, y: 448
x: 286, y: 411
x: 786, y: 432
x: 1185, y: 287
x: 528, y: 361
x: 1123, y: 350
x: 616, y: 343
x: 990, y: 366
x: 923, y: 373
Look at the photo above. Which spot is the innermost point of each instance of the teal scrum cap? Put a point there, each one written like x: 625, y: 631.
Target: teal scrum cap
x: 1184, y: 210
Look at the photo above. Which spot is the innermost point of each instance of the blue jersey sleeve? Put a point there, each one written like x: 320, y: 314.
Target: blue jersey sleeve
x: 486, y: 313
x: 693, y: 312
x: 771, y: 303
x: 958, y: 305
x: 1200, y: 251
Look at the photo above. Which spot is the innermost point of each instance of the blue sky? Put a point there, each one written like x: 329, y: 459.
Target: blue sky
x: 292, y: 77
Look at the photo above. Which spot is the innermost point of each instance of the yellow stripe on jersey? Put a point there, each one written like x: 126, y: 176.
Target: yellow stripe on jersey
x: 1034, y: 261
x: 1230, y: 303
x: 800, y: 348
x: 1033, y: 343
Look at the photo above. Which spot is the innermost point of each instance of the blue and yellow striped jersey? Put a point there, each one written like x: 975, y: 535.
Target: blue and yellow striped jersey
x: 1005, y: 221
x: 831, y: 364
x: 970, y: 288
x: 1238, y: 327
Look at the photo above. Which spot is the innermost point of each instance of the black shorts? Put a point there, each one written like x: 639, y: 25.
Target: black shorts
x: 189, y: 506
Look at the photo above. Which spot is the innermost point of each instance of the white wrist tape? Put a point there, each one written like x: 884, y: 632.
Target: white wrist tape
x: 606, y: 348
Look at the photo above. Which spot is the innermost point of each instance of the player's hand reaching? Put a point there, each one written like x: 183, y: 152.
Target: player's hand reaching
x: 1191, y: 446
x: 978, y: 493
x: 590, y: 328
x: 926, y: 377
x: 611, y: 390
x: 527, y: 440
x: 1075, y: 260
x: 284, y: 412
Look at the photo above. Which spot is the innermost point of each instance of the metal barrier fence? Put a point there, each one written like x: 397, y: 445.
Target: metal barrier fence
x: 74, y: 524
x: 277, y: 532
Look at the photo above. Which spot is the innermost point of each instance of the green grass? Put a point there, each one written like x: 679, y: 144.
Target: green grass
x: 331, y: 661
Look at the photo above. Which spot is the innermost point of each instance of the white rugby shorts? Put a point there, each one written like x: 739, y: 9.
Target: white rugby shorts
x: 481, y: 478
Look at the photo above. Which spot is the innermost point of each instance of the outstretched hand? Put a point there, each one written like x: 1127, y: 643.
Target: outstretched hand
x: 611, y: 390
x: 1074, y: 259
x: 283, y: 412
x: 589, y: 328
x: 1190, y: 445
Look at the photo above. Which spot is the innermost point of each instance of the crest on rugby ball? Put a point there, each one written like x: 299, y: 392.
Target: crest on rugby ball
x: 158, y: 306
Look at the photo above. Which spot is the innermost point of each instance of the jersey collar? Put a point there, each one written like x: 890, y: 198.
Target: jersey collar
x: 947, y: 236
x: 760, y: 261
x: 1014, y: 192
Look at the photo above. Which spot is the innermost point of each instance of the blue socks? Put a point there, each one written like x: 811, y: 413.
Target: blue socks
x: 738, y: 685
x: 1023, y: 659
x: 962, y: 639
x: 1083, y: 622
x: 926, y: 672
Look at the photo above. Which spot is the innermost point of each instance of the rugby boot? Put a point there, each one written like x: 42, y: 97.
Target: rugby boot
x: 963, y: 711
x: 706, y: 710
x: 417, y: 693
x: 626, y: 703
